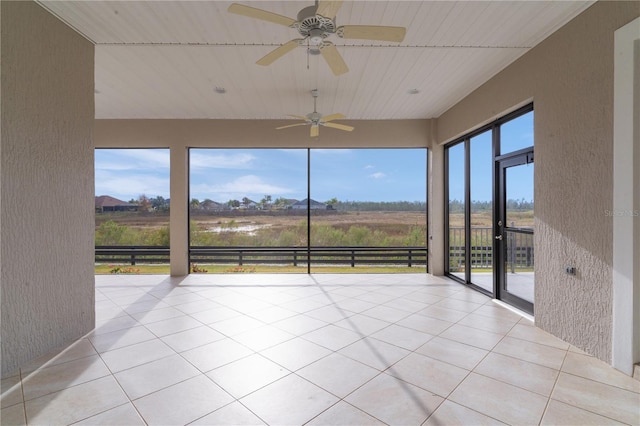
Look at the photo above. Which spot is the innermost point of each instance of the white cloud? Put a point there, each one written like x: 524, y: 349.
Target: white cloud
x: 126, y: 187
x: 244, y: 186
x: 293, y: 151
x: 132, y: 159
x: 202, y: 160
x: 377, y: 175
x: 369, y: 166
x: 331, y: 151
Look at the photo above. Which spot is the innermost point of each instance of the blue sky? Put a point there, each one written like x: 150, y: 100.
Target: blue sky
x: 514, y: 135
x: 225, y: 174
x: 129, y: 173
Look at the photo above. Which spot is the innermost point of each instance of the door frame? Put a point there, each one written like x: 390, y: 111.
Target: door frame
x: 502, y: 163
x: 626, y: 202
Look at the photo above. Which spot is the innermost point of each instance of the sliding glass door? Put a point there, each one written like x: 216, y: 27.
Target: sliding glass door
x: 469, y: 165
x: 490, y: 211
x: 457, y: 210
x: 481, y: 210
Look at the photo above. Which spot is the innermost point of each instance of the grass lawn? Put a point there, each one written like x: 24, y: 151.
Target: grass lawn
x: 222, y: 269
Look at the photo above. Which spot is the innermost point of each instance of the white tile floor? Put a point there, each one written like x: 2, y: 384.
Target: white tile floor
x: 250, y: 349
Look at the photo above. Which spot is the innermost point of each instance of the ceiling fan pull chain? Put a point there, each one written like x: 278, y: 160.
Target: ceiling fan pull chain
x: 314, y: 93
x: 308, y: 51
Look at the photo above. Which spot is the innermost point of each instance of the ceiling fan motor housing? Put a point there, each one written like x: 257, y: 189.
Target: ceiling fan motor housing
x: 316, y: 27
x: 314, y: 117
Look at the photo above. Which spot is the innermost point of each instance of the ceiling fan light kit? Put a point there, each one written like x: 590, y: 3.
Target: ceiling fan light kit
x: 315, y: 24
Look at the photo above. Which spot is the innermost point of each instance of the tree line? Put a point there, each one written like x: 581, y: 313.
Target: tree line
x: 158, y: 203
x: 161, y: 204
x: 267, y: 202
x: 457, y: 206
x: 397, y: 206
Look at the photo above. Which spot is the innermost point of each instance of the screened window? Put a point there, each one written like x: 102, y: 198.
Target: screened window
x: 332, y: 210
x: 132, y: 207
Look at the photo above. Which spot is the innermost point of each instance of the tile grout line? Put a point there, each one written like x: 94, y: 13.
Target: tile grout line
x: 446, y: 398
x: 472, y: 371
x: 381, y: 372
x: 118, y: 382
x: 553, y: 388
x: 24, y: 401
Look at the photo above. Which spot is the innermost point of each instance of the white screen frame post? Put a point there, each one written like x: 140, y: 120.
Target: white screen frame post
x: 626, y: 199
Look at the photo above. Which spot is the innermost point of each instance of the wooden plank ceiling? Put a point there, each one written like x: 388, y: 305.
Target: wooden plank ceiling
x: 165, y: 59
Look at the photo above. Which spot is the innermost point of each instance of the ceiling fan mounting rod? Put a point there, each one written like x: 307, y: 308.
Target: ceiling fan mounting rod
x: 314, y: 93
x: 314, y: 117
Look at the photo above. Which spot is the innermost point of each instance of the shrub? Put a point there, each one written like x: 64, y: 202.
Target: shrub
x: 241, y: 269
x: 123, y: 270
x: 197, y: 269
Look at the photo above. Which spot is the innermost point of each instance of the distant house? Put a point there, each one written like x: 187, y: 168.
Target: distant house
x: 106, y: 203
x: 314, y: 205
x: 283, y: 203
x: 247, y: 203
x: 210, y: 205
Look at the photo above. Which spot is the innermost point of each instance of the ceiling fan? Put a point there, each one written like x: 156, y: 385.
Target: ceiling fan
x: 315, y: 24
x: 315, y: 119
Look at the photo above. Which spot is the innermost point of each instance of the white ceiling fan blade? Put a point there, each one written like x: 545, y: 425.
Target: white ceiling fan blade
x: 332, y: 117
x: 270, y: 57
x: 339, y: 126
x: 328, y: 9
x: 372, y: 32
x: 334, y: 59
x: 264, y: 15
x: 291, y: 125
x: 315, y: 131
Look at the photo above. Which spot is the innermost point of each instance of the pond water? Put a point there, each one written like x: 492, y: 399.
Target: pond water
x: 245, y: 229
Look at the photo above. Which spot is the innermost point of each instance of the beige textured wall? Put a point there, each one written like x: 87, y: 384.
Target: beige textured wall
x: 259, y: 134
x: 569, y: 77
x: 47, y: 184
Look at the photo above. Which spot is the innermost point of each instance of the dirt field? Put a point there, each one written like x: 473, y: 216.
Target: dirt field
x: 379, y: 220
x: 258, y: 228
x: 522, y: 219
